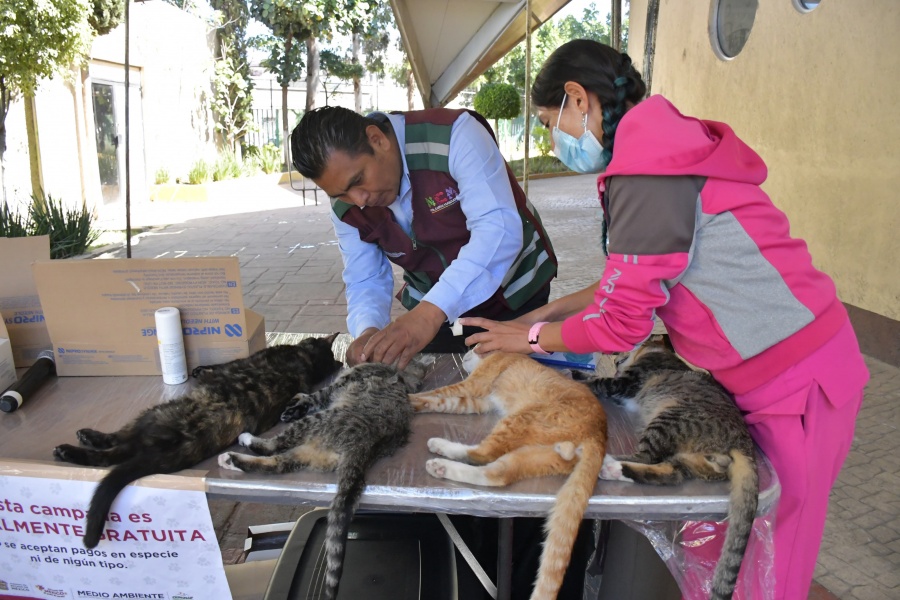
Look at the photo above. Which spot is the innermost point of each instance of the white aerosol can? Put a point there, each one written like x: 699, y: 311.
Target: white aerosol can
x: 171, y: 345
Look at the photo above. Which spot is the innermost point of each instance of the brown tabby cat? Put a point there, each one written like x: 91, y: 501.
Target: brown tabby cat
x: 690, y: 427
x: 362, y: 416
x: 545, y: 417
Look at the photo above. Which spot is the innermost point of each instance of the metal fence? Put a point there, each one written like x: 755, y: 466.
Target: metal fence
x: 509, y: 132
x: 268, y: 126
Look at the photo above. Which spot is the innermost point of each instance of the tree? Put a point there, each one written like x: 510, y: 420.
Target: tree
x: 232, y: 84
x: 551, y: 35
x: 39, y: 40
x: 341, y: 68
x: 498, y: 101
x: 370, y: 40
x: 231, y: 100
x: 106, y: 15
x: 293, y: 22
x: 402, y: 75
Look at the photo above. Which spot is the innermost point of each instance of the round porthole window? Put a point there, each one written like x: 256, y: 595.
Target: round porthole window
x: 730, y: 25
x: 806, y: 5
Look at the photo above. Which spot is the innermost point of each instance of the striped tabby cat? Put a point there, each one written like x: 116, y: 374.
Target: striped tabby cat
x: 362, y: 416
x: 246, y: 394
x: 690, y: 427
x: 550, y: 425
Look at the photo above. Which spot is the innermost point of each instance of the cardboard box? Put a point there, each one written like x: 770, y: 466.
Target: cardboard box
x: 19, y: 303
x: 7, y: 367
x: 100, y: 313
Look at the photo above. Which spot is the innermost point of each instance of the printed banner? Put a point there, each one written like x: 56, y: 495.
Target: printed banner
x: 157, y: 543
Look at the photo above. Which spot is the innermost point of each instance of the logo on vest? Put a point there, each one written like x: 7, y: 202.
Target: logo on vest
x: 395, y: 254
x: 442, y: 200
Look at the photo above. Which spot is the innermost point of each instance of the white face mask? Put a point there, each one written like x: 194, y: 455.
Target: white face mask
x: 584, y: 154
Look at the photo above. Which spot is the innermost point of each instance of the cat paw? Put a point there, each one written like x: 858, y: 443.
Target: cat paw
x: 419, y: 402
x: 612, y: 470
x: 226, y: 462
x: 245, y: 439
x: 297, y: 409
x: 437, y: 467
x: 198, y: 371
x: 86, y: 437
x: 63, y: 452
x: 578, y: 375
x: 437, y: 446
x: 565, y: 449
x: 471, y: 360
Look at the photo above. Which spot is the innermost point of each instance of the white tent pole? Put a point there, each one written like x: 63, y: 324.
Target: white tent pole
x: 127, y: 135
x: 527, y: 110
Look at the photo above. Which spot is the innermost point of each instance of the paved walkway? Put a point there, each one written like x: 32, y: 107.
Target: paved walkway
x: 291, y: 274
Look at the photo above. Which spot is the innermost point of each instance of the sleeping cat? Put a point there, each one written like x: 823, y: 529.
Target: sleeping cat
x: 362, y: 416
x: 690, y: 427
x: 550, y: 425
x: 246, y: 394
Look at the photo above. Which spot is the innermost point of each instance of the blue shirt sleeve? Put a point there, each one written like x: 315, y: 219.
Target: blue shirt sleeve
x: 369, y: 280
x: 486, y: 198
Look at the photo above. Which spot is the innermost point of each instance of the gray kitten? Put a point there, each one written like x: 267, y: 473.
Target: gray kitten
x: 361, y: 417
x: 690, y: 427
x: 246, y: 394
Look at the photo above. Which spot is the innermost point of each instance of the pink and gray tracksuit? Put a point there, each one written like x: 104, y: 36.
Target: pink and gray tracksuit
x: 695, y: 241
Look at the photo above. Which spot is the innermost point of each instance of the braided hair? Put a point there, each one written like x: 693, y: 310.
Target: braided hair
x: 597, y: 68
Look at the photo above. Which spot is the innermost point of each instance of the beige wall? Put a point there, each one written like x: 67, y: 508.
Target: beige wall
x: 175, y: 52
x: 818, y: 96
x: 172, y: 62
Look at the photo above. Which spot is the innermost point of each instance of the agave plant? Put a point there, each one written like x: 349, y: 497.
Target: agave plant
x: 70, y: 229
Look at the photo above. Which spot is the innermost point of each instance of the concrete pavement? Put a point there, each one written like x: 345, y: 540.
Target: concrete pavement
x: 291, y: 274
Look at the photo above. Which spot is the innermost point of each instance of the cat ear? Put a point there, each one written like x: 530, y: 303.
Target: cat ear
x: 330, y: 338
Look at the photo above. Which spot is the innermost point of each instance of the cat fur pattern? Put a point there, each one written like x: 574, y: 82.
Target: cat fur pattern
x: 549, y: 425
x: 689, y: 427
x: 246, y: 394
x: 362, y: 416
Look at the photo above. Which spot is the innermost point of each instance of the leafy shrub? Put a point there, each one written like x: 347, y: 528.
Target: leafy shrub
x: 199, y: 173
x: 251, y: 165
x: 71, y: 230
x: 541, y: 137
x: 270, y: 158
x: 498, y: 101
x: 539, y: 164
x: 13, y: 223
x: 162, y: 176
x: 227, y: 167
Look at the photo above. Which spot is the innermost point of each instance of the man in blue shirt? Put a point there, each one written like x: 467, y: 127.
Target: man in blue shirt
x: 428, y: 191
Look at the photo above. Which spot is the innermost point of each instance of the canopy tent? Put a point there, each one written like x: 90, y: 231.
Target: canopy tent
x: 451, y: 42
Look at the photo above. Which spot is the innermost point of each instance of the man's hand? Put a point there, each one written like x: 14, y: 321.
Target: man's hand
x: 403, y: 338
x: 355, y: 350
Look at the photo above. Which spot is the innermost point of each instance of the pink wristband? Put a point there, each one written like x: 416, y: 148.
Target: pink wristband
x: 533, y: 335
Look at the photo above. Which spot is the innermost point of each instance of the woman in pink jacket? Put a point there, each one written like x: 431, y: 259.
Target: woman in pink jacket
x: 692, y: 239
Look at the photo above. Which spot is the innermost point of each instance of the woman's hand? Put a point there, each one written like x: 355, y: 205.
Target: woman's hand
x: 506, y: 336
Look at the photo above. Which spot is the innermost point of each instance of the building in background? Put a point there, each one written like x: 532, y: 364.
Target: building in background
x: 81, y: 122
x: 812, y: 86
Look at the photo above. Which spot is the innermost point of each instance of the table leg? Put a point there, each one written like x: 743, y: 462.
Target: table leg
x: 504, y: 558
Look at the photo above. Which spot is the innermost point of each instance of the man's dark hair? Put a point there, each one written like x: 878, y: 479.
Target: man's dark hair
x: 321, y: 131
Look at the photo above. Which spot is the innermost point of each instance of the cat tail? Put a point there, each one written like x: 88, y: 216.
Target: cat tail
x: 351, y: 483
x: 107, y: 491
x: 564, y: 520
x: 741, y: 512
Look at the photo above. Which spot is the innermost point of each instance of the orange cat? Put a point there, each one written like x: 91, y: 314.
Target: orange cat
x: 550, y: 425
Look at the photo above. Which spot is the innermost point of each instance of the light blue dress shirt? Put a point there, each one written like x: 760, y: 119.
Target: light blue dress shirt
x: 486, y: 198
